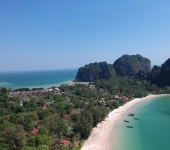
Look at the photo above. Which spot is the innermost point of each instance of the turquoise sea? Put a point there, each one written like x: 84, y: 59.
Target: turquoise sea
x: 36, y: 78
x: 150, y: 132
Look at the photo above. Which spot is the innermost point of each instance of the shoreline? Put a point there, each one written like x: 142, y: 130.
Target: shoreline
x: 69, y: 82
x: 100, y: 136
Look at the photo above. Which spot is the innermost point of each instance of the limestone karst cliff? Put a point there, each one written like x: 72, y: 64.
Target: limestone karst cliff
x: 95, y: 71
x: 129, y: 65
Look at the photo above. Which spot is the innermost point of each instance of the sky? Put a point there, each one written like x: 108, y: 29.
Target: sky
x: 63, y: 34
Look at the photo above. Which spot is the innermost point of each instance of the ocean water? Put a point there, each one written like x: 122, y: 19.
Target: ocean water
x: 150, y: 132
x: 36, y: 78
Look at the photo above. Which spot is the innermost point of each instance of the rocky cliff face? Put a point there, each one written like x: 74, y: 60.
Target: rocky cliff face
x: 165, y: 69
x: 129, y: 65
x: 134, y: 65
x: 155, y: 72
x: 161, y: 75
x: 95, y: 71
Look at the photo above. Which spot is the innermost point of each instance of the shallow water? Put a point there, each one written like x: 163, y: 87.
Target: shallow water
x: 150, y: 132
x: 36, y: 78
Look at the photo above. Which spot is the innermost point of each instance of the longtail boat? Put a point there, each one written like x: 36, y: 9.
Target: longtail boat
x: 129, y: 126
x: 131, y: 114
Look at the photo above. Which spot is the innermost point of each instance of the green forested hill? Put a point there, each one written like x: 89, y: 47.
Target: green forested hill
x: 95, y: 71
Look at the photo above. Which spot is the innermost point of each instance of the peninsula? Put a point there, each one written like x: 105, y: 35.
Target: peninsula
x: 71, y: 116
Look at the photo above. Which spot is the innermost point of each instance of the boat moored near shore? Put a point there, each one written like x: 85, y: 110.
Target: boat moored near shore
x: 129, y: 126
x: 131, y: 114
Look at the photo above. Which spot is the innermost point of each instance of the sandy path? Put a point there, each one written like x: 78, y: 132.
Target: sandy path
x: 100, y: 135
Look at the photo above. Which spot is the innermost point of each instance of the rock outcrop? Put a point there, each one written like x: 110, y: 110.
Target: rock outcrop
x: 161, y: 75
x: 95, y: 71
x: 129, y: 65
x: 155, y: 73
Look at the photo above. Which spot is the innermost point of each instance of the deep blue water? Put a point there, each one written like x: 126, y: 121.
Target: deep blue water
x: 150, y: 132
x: 36, y: 78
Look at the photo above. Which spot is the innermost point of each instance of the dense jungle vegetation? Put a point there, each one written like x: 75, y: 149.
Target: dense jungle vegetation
x: 61, y: 121
x: 62, y: 118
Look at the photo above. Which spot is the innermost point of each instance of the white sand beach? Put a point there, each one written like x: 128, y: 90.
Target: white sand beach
x: 101, y: 135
